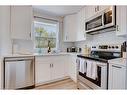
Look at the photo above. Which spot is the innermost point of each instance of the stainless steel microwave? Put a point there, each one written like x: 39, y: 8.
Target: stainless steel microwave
x: 102, y: 20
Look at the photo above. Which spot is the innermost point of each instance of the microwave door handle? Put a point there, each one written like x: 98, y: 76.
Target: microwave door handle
x: 113, y: 15
x: 102, y: 19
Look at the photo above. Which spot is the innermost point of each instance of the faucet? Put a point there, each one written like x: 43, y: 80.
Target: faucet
x: 49, y: 48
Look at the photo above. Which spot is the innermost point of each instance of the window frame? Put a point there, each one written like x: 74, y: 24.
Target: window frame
x: 44, y: 50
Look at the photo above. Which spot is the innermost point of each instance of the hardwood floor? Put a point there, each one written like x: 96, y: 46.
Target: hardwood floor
x: 63, y: 85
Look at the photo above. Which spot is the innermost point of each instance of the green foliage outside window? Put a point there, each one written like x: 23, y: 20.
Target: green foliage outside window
x: 42, y: 37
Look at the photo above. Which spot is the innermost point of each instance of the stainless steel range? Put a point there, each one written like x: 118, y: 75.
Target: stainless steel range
x: 93, y: 68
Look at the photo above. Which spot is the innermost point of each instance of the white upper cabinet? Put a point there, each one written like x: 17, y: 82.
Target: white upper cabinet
x: 21, y: 22
x: 70, y: 28
x: 92, y: 10
x: 121, y: 21
x: 89, y: 11
x: 81, y: 35
x: 74, y: 27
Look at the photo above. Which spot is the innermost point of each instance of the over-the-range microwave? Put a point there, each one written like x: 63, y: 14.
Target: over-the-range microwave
x: 102, y: 20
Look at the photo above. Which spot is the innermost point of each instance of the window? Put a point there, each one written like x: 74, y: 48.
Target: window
x: 46, y: 35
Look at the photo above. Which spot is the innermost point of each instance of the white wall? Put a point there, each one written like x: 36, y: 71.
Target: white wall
x: 101, y: 39
x: 5, y: 40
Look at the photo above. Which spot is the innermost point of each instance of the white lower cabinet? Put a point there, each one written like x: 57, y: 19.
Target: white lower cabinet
x: 49, y: 68
x: 43, y: 71
x: 58, y: 70
x: 73, y: 68
x: 117, y: 76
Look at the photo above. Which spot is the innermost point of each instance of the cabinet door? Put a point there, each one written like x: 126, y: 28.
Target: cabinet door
x: 70, y: 28
x: 73, y: 68
x: 21, y: 22
x: 58, y: 68
x: 42, y: 72
x: 92, y: 10
x: 89, y: 11
x: 101, y: 8
x: 117, y: 76
x: 81, y: 25
x: 121, y: 20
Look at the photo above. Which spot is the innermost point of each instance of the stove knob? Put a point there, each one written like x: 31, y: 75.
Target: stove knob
x: 116, y: 47
x: 109, y: 47
x: 93, y: 46
x: 113, y: 47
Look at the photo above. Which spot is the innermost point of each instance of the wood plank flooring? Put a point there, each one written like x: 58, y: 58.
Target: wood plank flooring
x: 63, y: 85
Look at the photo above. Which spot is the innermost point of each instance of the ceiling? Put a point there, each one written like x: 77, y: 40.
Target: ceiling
x: 59, y: 10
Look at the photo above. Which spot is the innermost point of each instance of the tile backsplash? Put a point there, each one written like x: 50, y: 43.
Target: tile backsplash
x: 101, y: 39
x: 24, y: 45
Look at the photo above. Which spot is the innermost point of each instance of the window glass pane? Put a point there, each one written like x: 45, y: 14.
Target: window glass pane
x: 45, y: 32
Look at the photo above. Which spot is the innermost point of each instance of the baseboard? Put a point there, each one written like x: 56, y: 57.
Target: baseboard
x: 47, y: 82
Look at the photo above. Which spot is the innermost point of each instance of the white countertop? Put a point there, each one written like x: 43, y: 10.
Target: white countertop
x: 118, y: 61
x: 36, y: 54
x: 57, y: 54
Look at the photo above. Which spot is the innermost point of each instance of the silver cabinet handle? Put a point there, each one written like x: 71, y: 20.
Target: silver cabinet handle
x: 30, y: 34
x: 66, y: 37
x: 116, y: 66
x: 95, y: 9
x: 117, y: 27
x: 51, y: 65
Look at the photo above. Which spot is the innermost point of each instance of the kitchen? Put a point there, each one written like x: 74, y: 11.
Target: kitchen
x: 42, y: 45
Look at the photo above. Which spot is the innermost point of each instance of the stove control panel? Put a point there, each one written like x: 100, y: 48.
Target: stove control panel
x: 107, y: 47
x: 103, y: 46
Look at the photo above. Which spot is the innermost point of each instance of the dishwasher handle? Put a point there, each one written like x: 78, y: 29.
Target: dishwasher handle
x: 17, y: 60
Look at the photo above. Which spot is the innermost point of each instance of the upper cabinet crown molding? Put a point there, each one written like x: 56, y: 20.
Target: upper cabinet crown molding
x: 21, y: 22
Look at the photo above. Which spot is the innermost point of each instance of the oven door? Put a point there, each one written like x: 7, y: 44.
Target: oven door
x: 109, y: 17
x: 99, y: 83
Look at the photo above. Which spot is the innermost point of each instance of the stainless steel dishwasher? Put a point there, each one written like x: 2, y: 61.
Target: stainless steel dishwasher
x: 19, y: 72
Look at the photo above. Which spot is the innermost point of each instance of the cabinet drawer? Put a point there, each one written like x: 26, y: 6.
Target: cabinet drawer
x: 43, y: 59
